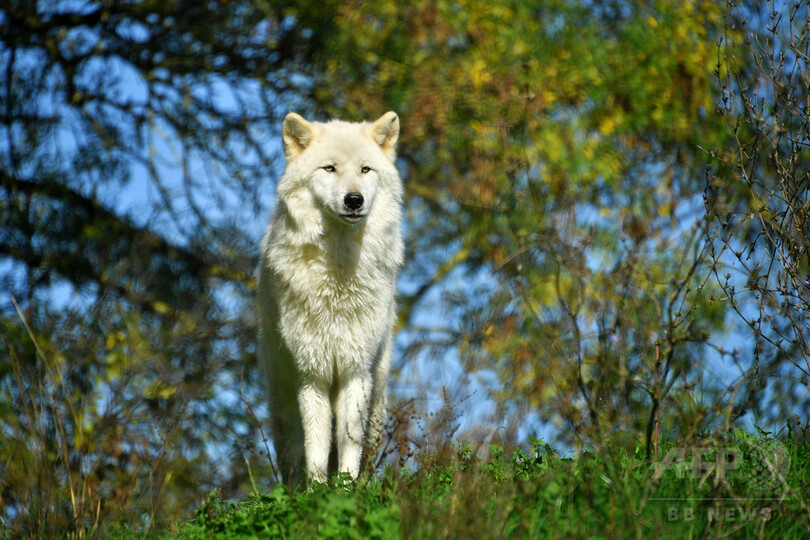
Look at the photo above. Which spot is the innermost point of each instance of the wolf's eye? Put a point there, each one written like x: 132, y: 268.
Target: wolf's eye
x: 329, y: 168
x: 365, y: 169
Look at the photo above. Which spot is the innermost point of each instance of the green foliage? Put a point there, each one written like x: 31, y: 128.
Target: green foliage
x: 533, y: 492
x: 327, y: 511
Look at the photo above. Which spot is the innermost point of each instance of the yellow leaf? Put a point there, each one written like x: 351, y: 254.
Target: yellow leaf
x: 161, y: 307
x: 479, y: 74
x: 158, y: 390
x: 607, y: 125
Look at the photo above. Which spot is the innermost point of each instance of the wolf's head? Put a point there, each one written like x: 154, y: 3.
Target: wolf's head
x: 340, y: 167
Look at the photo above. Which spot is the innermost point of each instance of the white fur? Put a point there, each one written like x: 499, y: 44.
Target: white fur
x: 326, y: 292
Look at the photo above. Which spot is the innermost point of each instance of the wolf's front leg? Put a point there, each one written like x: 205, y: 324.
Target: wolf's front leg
x: 316, y: 418
x: 351, y: 411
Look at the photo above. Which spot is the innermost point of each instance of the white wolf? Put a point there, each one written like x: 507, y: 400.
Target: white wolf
x: 330, y: 259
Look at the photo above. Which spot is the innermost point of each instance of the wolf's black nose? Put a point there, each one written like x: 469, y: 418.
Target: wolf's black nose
x: 353, y: 201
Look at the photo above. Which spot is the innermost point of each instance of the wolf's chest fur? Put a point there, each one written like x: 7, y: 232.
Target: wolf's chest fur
x: 334, y: 299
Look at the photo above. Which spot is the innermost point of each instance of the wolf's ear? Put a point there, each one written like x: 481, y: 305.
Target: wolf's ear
x: 385, y: 132
x: 296, y: 134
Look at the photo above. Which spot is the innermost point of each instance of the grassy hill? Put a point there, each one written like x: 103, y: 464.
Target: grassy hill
x: 735, y: 485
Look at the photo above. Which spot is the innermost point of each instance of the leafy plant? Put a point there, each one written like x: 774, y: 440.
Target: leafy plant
x: 534, y: 492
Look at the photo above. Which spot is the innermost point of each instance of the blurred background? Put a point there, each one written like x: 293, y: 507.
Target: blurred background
x: 607, y: 229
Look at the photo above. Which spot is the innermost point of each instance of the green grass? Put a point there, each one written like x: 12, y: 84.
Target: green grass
x: 717, y: 490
